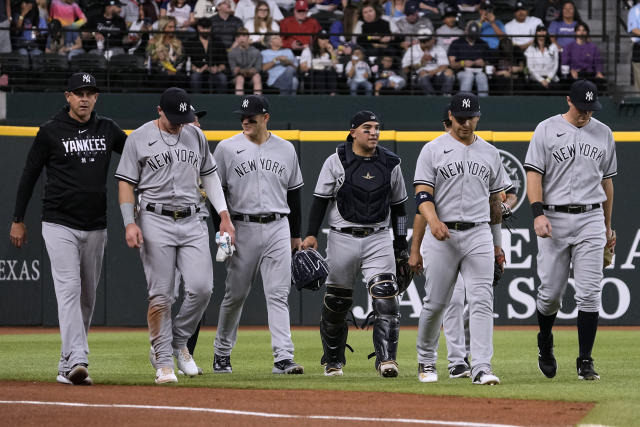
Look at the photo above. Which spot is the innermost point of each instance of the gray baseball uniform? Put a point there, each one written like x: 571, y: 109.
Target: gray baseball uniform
x: 573, y: 162
x: 165, y: 169
x: 462, y: 177
x: 256, y: 178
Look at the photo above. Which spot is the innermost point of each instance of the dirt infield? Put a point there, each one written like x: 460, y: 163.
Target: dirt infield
x: 200, y: 406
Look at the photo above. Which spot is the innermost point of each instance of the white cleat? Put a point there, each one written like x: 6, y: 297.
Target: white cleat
x: 165, y: 376
x: 486, y: 378
x: 427, y: 373
x: 186, y: 363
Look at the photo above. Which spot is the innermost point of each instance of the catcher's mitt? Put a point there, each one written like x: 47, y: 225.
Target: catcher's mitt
x: 308, y: 270
x: 609, y: 250
x: 498, y: 268
x: 404, y: 275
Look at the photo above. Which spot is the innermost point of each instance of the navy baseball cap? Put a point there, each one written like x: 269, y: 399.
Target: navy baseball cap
x: 584, y: 95
x: 252, y: 105
x: 410, y: 8
x: 449, y: 11
x: 520, y: 6
x: 486, y: 5
x: 362, y: 117
x: 80, y: 81
x: 176, y: 105
x: 465, y: 104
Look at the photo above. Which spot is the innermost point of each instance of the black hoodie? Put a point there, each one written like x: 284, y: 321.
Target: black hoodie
x: 77, y: 158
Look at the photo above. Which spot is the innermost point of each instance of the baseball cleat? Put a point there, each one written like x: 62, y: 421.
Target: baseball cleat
x: 427, y: 373
x: 62, y: 379
x: 546, y: 360
x: 287, y: 366
x: 486, y: 378
x: 221, y: 364
x: 165, y: 376
x: 333, y: 369
x: 78, y: 374
x: 460, y: 371
x: 585, y: 369
x: 185, y: 362
x: 200, y: 371
x: 388, y: 369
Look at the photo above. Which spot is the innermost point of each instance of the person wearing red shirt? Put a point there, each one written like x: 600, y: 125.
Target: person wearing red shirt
x: 298, y: 23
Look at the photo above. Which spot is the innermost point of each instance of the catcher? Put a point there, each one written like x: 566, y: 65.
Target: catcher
x: 363, y: 184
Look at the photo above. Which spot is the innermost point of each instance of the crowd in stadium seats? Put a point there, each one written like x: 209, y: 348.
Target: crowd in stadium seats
x: 367, y: 47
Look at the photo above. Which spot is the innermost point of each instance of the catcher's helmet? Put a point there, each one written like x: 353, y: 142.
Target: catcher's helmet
x: 308, y: 270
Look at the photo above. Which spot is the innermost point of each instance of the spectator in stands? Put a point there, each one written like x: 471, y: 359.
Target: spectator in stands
x: 56, y: 41
x: 468, y: 6
x: 491, y: 29
x: 88, y: 39
x: 43, y: 9
x: 449, y: 31
x: 508, y: 77
x: 347, y: 25
x: 387, y: 76
x: 299, y: 23
x: 139, y: 36
x: 358, y: 73
x: 149, y: 9
x: 325, y: 12
x: 224, y: 25
x: 70, y: 16
x: 181, y: 10
x: 166, y: 51
x: 429, y: 63
x: 280, y: 65
x: 318, y: 64
x: 394, y: 9
x: 130, y: 12
x: 520, y: 25
x: 204, y: 9
x: 207, y: 67
x: 247, y: 9
x: 262, y: 22
x: 583, y: 58
x: 542, y: 62
x: 245, y: 63
x: 429, y: 8
x: 633, y: 27
x: 110, y: 29
x: 28, y: 29
x: 372, y: 23
x: 548, y: 10
x: 412, y: 23
x: 467, y: 57
x: 562, y: 29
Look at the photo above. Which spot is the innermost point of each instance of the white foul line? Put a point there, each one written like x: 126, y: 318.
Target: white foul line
x: 256, y: 414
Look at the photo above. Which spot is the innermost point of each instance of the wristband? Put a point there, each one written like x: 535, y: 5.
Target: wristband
x: 423, y: 197
x: 536, y: 209
x: 496, y: 232
x: 127, y: 213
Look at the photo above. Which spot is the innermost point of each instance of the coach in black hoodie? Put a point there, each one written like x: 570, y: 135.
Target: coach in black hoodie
x: 75, y: 146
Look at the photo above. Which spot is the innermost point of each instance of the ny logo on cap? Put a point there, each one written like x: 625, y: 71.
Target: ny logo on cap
x: 466, y: 103
x: 589, y: 96
x: 183, y: 107
x: 86, y: 78
x: 245, y: 103
x: 373, y: 117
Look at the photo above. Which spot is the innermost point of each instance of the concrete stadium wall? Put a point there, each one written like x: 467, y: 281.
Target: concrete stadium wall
x: 26, y: 288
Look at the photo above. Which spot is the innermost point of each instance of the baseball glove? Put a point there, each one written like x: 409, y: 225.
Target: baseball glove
x: 506, y: 211
x: 308, y: 270
x: 498, y: 268
x: 404, y: 275
x: 609, y: 250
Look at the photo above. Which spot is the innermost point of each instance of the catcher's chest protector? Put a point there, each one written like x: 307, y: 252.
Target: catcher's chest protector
x: 363, y: 198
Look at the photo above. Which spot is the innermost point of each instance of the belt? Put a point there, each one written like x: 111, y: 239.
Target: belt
x: 260, y: 219
x: 572, y: 209
x: 462, y: 226
x: 173, y: 213
x: 359, y: 231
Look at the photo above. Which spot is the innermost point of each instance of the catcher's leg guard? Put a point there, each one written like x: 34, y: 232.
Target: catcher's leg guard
x: 383, y: 290
x: 333, y: 324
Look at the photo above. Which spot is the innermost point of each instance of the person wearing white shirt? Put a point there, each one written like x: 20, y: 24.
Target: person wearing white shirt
x: 261, y: 23
x: 542, y: 61
x: 430, y: 64
x: 204, y: 9
x: 246, y: 9
x: 522, y: 25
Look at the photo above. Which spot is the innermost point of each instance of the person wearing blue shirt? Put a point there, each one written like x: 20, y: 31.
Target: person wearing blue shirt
x: 489, y: 25
x: 633, y: 27
x: 280, y: 66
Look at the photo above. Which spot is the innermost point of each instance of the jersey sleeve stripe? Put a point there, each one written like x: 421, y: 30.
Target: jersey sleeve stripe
x: 400, y: 201
x: 209, y: 171
x: 126, y: 178
x: 295, y: 186
x: 609, y: 175
x: 420, y: 182
x: 323, y: 196
x: 529, y: 166
x: 497, y: 190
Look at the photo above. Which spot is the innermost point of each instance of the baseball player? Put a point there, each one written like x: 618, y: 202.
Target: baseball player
x: 456, y: 316
x: 75, y: 146
x: 262, y: 180
x: 458, y: 181
x: 570, y: 162
x: 163, y: 160
x: 363, y: 184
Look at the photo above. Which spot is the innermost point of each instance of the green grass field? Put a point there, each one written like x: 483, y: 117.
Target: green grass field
x: 121, y: 358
